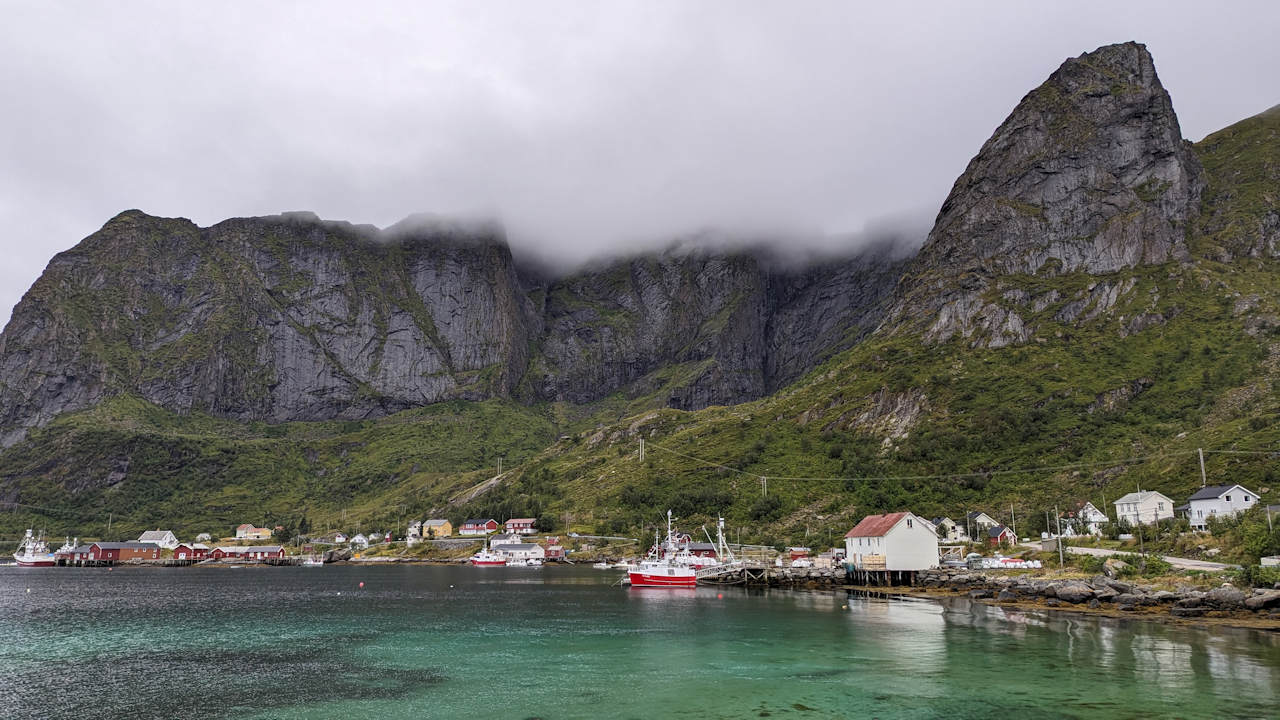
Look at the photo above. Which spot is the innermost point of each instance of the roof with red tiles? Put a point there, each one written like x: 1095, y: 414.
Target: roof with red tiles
x: 876, y: 525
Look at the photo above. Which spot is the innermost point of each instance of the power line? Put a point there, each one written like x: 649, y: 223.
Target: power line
x: 80, y: 513
x: 944, y: 476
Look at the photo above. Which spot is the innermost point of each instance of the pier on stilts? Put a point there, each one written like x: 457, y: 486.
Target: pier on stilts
x: 763, y: 574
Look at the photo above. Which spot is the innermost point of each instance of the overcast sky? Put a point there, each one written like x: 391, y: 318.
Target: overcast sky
x: 586, y: 127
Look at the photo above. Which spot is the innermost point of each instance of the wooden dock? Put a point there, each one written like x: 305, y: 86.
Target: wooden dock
x: 757, y: 573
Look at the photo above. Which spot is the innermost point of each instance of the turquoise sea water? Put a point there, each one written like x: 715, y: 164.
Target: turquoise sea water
x: 446, y: 642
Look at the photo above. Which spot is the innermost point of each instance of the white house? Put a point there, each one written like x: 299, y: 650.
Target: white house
x: 895, y: 541
x: 1220, y: 500
x: 1084, y: 518
x: 1144, y: 507
x: 949, y: 531
x: 163, y: 538
x: 506, y: 539
x: 360, y: 541
x: 977, y: 523
x: 520, y: 551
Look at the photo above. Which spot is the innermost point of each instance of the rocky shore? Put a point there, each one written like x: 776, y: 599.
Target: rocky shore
x: 1102, y: 592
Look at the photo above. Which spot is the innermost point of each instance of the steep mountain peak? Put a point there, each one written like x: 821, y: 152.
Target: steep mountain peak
x: 1088, y: 173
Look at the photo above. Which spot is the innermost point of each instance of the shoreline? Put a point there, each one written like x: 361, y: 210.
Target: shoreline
x: 1241, y: 620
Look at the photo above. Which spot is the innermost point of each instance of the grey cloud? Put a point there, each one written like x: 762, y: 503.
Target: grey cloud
x: 588, y: 128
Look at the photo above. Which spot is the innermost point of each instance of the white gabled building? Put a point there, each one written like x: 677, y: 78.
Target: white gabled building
x: 949, y: 530
x: 895, y: 541
x: 520, y: 551
x: 1145, y: 507
x: 164, y: 538
x: 1083, y: 518
x: 1219, y: 500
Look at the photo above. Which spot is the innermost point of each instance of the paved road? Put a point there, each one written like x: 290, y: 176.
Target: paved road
x: 1181, y: 563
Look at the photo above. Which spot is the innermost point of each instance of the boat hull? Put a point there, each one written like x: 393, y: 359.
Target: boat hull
x: 41, y: 562
x: 645, y: 579
x: 488, y: 563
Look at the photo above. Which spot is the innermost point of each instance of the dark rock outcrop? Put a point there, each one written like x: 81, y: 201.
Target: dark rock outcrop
x: 1088, y: 173
x: 704, y: 327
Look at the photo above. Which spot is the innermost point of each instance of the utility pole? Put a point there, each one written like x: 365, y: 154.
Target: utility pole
x: 764, y: 486
x: 109, y: 518
x: 1203, y: 480
x: 641, y: 449
x: 1013, y: 524
x: 499, y: 465
x: 1141, y: 549
x: 1059, y: 517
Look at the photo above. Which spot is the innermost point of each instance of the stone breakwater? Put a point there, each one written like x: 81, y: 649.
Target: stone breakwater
x: 1102, y: 592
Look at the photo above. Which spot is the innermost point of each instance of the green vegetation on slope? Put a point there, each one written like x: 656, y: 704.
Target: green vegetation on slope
x: 200, y: 474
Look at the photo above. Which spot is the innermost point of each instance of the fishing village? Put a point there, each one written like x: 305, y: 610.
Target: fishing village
x: 890, y: 554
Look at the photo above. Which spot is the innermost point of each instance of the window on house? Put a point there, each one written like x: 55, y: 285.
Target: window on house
x: 908, y: 523
x: 1246, y: 498
x: 1228, y: 498
x: 1159, y: 506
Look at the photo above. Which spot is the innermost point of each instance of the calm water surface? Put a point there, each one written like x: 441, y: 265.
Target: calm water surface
x: 443, y: 642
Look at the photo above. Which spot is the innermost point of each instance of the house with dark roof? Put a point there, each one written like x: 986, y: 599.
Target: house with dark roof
x: 979, y: 522
x: 1220, y: 501
x: 112, y: 552
x: 893, y: 541
x: 949, y: 530
x: 478, y: 526
x: 1001, y: 534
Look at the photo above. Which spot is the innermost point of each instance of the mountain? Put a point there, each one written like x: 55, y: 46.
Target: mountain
x: 290, y: 318
x: 1097, y: 300
x: 1089, y: 173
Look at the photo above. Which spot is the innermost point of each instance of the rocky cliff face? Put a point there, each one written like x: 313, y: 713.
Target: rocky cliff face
x: 291, y: 318
x: 705, y: 328
x: 278, y: 318
x: 1088, y: 173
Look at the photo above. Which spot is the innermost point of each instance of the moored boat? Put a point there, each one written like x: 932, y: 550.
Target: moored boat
x: 487, y: 558
x: 667, y: 565
x: 34, y: 552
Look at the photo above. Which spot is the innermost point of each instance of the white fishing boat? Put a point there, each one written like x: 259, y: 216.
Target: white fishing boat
x: 312, y: 561
x: 33, y: 551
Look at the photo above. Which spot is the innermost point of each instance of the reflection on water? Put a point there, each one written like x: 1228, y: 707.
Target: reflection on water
x: 421, y: 642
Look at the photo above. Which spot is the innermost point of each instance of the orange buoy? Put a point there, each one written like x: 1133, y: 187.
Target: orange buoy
x: 362, y: 583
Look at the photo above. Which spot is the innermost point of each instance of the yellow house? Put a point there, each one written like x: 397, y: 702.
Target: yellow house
x: 437, y: 528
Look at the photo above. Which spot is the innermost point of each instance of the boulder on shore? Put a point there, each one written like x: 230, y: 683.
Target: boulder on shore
x: 1225, y: 598
x: 1074, y: 592
x: 1263, y: 600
